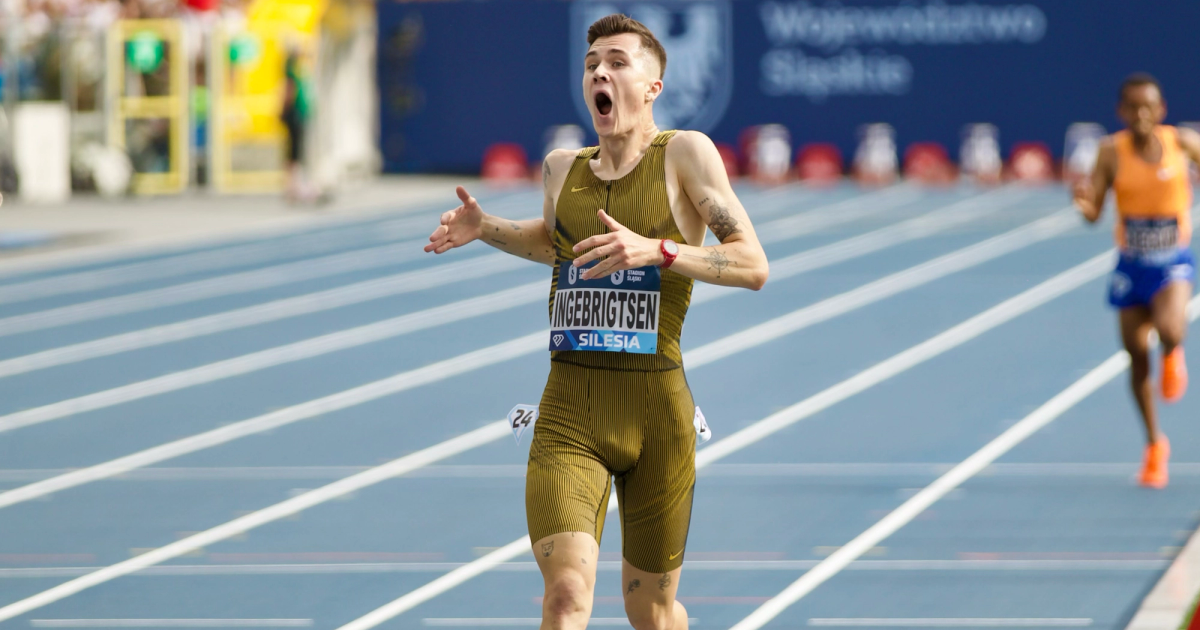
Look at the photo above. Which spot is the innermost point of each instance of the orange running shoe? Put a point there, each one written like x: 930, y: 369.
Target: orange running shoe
x: 1174, y: 375
x: 1154, y: 470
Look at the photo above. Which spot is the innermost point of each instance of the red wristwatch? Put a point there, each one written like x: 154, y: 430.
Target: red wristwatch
x: 670, y: 251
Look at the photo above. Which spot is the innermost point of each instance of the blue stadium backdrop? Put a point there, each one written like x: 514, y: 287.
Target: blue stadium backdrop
x: 457, y: 76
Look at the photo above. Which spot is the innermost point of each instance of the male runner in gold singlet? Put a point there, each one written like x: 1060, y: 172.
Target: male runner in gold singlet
x: 623, y: 225
x: 1147, y: 167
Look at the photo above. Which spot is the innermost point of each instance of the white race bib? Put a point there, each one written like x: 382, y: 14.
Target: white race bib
x: 703, y: 433
x: 616, y: 313
x: 522, y: 417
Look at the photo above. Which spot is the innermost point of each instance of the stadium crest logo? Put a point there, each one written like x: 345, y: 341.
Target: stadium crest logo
x: 698, y: 38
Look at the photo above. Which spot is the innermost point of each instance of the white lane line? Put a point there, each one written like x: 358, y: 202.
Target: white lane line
x: 897, y: 364
x: 339, y: 568
x: 342, y: 487
x: 242, y: 255
x: 837, y: 213
x: 1038, y: 470
x: 529, y: 344
x: 509, y: 622
x: 790, y: 266
x: 220, y: 252
x: 951, y: 622
x: 171, y: 623
x: 370, y: 290
x: 928, y: 224
x: 280, y: 355
x: 52, y: 264
x: 887, y: 286
x: 232, y: 284
x: 389, y: 286
x: 288, y: 415
x: 910, y: 509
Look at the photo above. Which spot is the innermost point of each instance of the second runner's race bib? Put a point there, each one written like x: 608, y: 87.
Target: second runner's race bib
x: 1152, y: 239
x: 616, y: 313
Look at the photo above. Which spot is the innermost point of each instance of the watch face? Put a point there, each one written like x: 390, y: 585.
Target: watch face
x: 672, y: 247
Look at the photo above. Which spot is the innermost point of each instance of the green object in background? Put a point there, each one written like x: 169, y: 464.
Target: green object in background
x: 244, y: 49
x: 145, y: 51
x: 1187, y: 619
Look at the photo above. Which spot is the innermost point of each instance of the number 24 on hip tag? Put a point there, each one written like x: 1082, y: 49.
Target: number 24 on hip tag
x: 522, y: 417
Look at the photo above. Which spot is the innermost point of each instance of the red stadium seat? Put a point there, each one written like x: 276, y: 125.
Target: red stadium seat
x: 928, y: 163
x: 505, y: 162
x: 1031, y: 162
x: 730, y: 158
x: 819, y: 163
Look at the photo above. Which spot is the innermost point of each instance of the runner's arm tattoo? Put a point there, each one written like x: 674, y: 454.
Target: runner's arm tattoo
x: 720, y: 221
x: 716, y: 259
x: 547, y: 549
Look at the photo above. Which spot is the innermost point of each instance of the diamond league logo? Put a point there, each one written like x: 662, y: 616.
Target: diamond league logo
x: 557, y: 339
x: 698, y: 38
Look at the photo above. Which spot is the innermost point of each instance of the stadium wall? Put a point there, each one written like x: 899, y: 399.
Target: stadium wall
x: 458, y: 76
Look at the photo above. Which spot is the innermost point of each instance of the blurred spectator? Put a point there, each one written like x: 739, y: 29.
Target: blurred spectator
x: 295, y: 116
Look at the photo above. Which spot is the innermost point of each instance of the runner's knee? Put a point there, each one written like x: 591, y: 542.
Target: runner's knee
x: 645, y: 615
x: 567, y: 595
x: 1171, y: 334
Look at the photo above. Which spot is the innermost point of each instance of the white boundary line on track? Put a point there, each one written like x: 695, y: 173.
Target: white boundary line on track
x: 305, y: 349
x: 171, y: 623
x: 897, y: 364
x: 220, y: 286
x: 923, y: 225
x: 519, y: 622
x: 910, y: 509
x: 327, y: 300
x: 58, y: 263
x: 846, y: 470
x: 388, y: 286
x: 840, y: 212
x: 303, y: 244
x: 951, y: 622
x: 239, y: 255
x: 533, y: 342
x: 969, y: 329
x: 339, y: 568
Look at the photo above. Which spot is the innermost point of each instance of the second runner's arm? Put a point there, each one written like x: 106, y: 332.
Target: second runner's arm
x: 1189, y: 141
x: 1090, y: 191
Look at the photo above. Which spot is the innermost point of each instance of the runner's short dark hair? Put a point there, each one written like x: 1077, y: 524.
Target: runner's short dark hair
x: 1137, y: 79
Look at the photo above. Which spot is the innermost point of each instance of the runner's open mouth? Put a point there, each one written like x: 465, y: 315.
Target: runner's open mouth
x: 603, y: 103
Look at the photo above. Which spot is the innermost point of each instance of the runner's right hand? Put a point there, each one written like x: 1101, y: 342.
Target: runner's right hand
x: 458, y: 226
x: 1084, y: 197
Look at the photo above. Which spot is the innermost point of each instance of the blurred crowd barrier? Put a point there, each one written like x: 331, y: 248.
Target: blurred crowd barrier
x: 160, y: 96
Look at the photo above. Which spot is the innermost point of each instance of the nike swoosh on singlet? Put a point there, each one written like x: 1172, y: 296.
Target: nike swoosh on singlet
x: 573, y: 189
x: 675, y: 555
